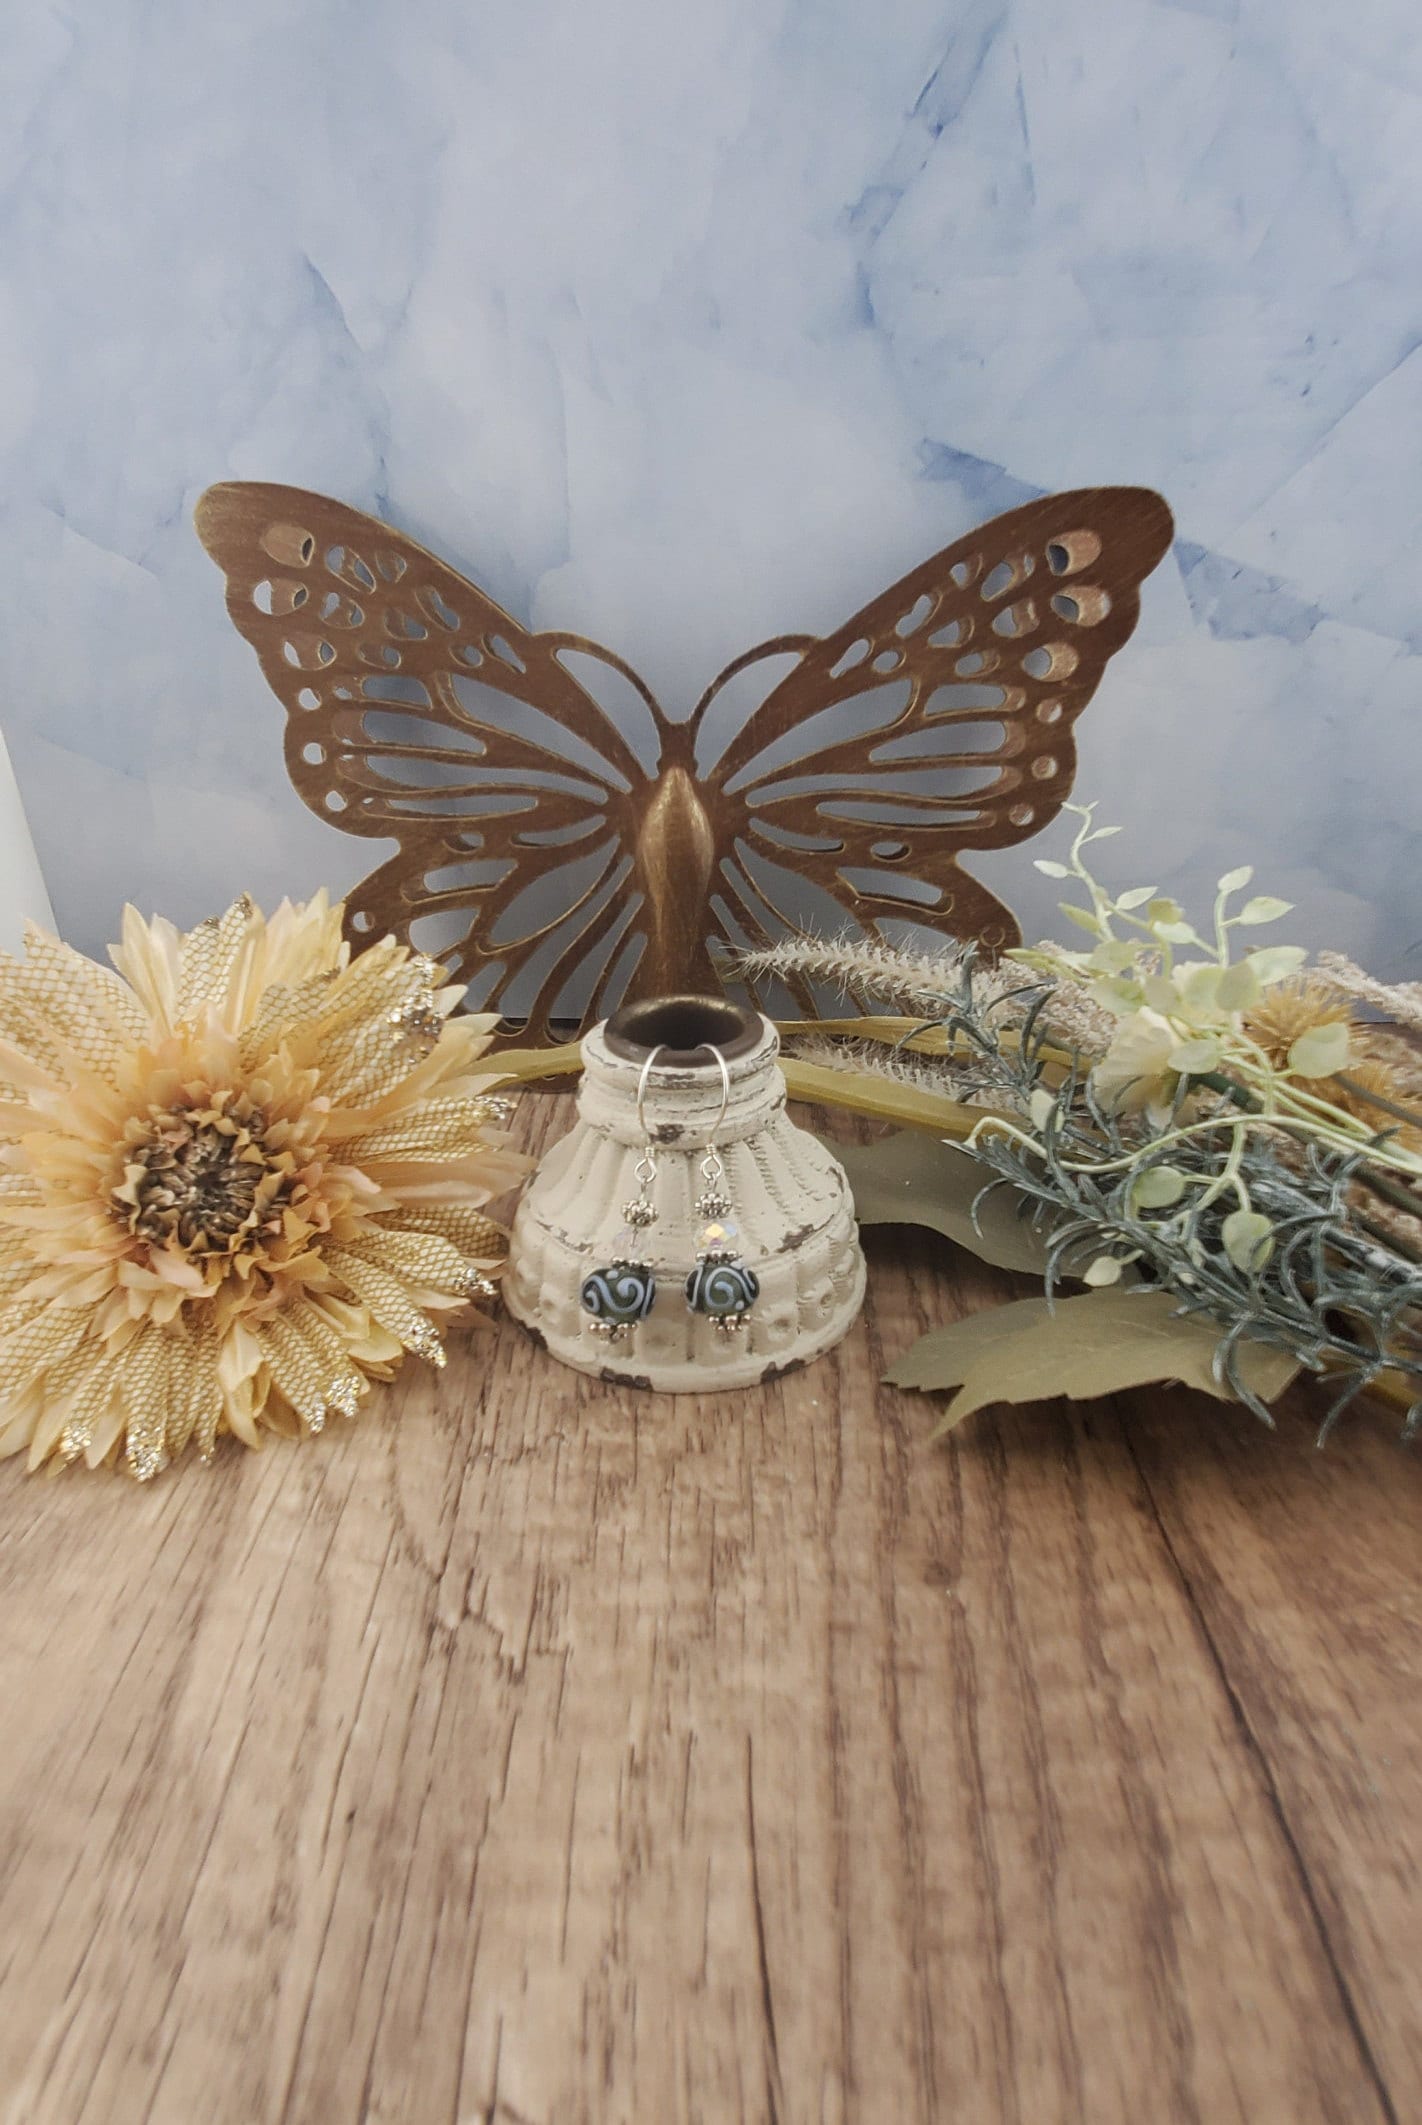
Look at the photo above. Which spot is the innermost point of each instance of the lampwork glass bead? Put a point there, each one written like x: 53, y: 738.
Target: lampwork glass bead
x: 722, y: 1288
x: 622, y: 1292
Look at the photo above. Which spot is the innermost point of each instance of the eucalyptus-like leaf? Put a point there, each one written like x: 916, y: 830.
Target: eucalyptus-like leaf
x: 1276, y: 962
x: 1248, y: 1238
x: 1193, y: 1056
x: 1084, y: 918
x: 1320, y: 1052
x: 1235, y: 881
x: 1264, y: 907
x: 1116, y: 993
x: 1135, y: 898
x: 1176, y: 933
x: 1113, y: 955
x: 1238, y: 987
x: 1199, y: 986
x: 1106, y: 1269
x: 1049, y: 867
x: 1157, y: 1188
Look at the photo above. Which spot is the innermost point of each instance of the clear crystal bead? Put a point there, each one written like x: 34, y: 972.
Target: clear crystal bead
x: 718, y: 1237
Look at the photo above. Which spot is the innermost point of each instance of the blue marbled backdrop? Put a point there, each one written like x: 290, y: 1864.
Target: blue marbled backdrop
x: 688, y: 325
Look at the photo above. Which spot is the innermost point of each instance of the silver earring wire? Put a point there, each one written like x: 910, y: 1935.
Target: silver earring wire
x: 710, y: 1048
x: 642, y: 1093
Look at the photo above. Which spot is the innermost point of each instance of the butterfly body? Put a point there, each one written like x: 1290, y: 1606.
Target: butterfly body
x: 567, y: 871
x: 675, y: 854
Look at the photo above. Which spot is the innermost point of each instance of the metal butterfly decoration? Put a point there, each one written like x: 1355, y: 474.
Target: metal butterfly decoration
x: 584, y: 870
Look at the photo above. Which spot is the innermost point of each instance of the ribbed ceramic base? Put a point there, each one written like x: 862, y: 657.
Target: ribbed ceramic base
x: 791, y: 1205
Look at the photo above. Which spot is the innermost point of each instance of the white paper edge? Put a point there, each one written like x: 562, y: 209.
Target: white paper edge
x: 22, y: 893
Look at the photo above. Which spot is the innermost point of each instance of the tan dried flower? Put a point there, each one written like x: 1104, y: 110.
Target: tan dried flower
x: 1288, y: 1010
x: 1372, y: 1092
x: 1399, y: 1051
x: 1074, y: 1019
x: 239, y: 1178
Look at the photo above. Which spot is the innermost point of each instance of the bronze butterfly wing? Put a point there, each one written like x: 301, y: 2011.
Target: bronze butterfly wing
x: 420, y: 712
x: 937, y: 721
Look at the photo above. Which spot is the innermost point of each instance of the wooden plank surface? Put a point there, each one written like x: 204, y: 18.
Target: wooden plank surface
x: 531, y: 1754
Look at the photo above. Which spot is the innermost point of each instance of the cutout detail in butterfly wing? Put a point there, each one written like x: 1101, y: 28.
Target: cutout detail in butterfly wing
x: 969, y: 672
x: 418, y: 711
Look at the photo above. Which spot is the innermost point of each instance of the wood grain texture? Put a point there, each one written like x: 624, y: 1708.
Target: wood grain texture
x: 531, y: 1754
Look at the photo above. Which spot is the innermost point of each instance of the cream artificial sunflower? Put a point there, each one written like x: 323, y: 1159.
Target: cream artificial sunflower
x: 239, y: 1178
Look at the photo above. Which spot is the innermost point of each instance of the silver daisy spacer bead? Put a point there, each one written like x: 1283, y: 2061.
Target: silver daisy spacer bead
x: 712, y: 1204
x: 610, y: 1332
x: 640, y: 1212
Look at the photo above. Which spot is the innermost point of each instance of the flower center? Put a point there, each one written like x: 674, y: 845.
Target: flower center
x: 199, y: 1182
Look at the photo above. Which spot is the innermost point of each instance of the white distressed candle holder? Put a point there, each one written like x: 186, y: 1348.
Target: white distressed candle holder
x: 791, y: 1201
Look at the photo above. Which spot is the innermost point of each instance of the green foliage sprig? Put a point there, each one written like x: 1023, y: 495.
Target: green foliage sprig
x: 1158, y: 1142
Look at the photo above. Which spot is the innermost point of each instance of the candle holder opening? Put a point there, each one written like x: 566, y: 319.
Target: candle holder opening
x: 682, y: 1026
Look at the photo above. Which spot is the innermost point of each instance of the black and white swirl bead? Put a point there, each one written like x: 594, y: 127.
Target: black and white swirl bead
x: 722, y: 1288
x: 623, y: 1292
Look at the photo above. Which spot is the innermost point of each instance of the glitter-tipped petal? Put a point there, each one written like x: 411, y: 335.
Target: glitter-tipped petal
x: 389, y: 1302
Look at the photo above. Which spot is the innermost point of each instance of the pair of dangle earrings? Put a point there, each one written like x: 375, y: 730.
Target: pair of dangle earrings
x: 718, y: 1285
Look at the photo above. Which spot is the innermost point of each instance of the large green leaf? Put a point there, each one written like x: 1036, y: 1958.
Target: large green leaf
x: 1095, y: 1344
x: 884, y: 1098
x: 911, y: 1180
